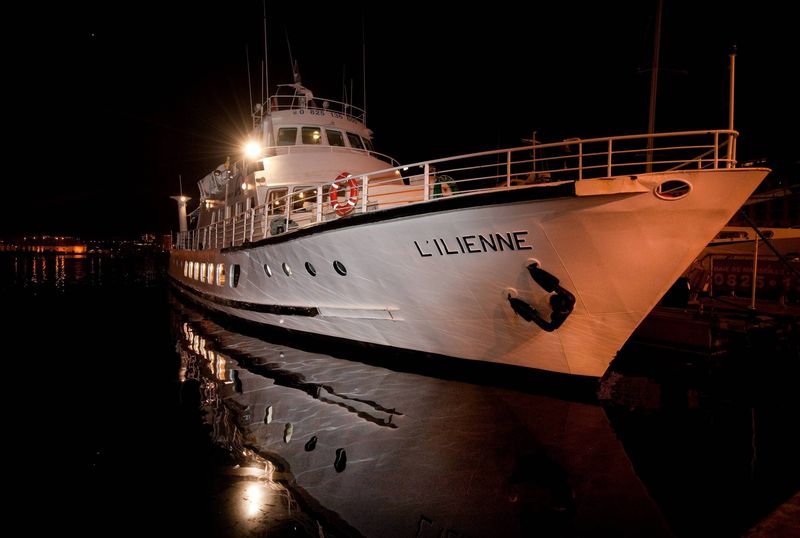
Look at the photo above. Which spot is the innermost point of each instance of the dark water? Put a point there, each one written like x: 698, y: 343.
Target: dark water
x: 129, y: 411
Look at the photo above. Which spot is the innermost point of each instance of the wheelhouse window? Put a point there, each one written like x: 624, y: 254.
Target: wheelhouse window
x: 368, y: 144
x: 335, y: 138
x: 277, y: 201
x: 311, y: 135
x: 355, y: 141
x: 304, y: 198
x: 287, y: 136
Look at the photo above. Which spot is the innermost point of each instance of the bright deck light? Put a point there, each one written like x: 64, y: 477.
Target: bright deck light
x: 252, y: 150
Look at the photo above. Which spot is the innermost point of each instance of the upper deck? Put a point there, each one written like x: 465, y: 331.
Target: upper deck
x: 585, y: 162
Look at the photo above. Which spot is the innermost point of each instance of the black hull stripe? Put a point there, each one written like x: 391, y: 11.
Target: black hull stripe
x: 530, y: 380
x: 563, y: 190
x: 307, y: 311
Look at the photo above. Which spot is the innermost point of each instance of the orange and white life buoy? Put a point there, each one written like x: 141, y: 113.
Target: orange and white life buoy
x: 345, y: 207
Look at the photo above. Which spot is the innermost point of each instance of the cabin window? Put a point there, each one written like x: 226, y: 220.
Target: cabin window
x: 238, y: 207
x: 210, y: 273
x: 335, y: 138
x: 277, y: 201
x: 196, y: 270
x: 311, y: 135
x: 235, y: 270
x: 186, y: 268
x: 220, y: 274
x: 287, y: 136
x: 355, y: 141
x: 304, y: 198
x: 202, y: 272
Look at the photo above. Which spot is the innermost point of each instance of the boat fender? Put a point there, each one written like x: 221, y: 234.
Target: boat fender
x: 345, y: 207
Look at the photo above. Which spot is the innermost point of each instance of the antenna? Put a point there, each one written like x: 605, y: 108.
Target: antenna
x: 180, y: 184
x: 364, y: 62
x: 266, y: 57
x: 289, y: 46
x: 249, y: 83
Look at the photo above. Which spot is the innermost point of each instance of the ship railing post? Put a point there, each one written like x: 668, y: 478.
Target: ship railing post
x: 426, y: 182
x: 508, y: 168
x: 319, y: 203
x: 755, y: 275
x: 610, y: 152
x: 252, y: 222
x: 224, y: 227
x: 716, y: 149
x: 580, y: 160
x: 364, y: 187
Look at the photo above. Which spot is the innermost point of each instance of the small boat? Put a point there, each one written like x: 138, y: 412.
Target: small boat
x: 478, y: 256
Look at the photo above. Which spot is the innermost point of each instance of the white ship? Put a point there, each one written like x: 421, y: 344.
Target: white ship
x: 544, y: 256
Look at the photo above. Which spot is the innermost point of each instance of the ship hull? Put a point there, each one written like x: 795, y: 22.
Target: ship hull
x: 436, y: 278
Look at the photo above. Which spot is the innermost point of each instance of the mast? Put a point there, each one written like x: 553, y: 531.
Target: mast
x: 651, y: 120
x: 731, y: 138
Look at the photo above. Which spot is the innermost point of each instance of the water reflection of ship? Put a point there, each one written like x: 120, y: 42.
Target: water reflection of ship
x: 372, y: 451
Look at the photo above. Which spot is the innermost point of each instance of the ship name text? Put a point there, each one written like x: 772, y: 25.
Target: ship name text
x: 473, y: 244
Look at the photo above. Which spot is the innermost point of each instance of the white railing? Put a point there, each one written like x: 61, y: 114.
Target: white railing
x: 464, y: 175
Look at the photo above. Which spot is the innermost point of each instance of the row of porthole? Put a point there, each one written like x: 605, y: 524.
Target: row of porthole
x: 337, y: 266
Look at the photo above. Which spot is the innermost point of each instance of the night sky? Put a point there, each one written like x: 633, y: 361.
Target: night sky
x: 111, y: 103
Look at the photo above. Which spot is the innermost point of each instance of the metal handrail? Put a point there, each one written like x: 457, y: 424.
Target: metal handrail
x: 470, y: 174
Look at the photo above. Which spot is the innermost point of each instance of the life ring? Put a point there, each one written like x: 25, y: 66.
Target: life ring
x: 444, y: 186
x: 344, y: 207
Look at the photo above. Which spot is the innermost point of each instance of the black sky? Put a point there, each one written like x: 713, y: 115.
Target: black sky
x: 114, y: 101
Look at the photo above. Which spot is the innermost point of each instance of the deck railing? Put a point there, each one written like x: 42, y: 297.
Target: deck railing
x: 466, y: 175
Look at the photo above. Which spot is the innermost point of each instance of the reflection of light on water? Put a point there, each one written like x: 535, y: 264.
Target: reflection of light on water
x: 253, y: 499
x: 217, y: 362
x: 61, y: 276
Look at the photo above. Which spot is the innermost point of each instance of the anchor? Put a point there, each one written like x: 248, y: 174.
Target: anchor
x: 561, y: 301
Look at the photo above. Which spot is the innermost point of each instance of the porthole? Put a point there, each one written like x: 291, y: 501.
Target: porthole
x: 310, y: 269
x: 286, y: 269
x: 340, y: 268
x: 235, y: 270
x: 673, y: 189
x: 268, y: 270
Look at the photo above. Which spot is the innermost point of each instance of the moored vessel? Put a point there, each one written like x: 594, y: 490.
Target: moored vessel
x: 544, y: 256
